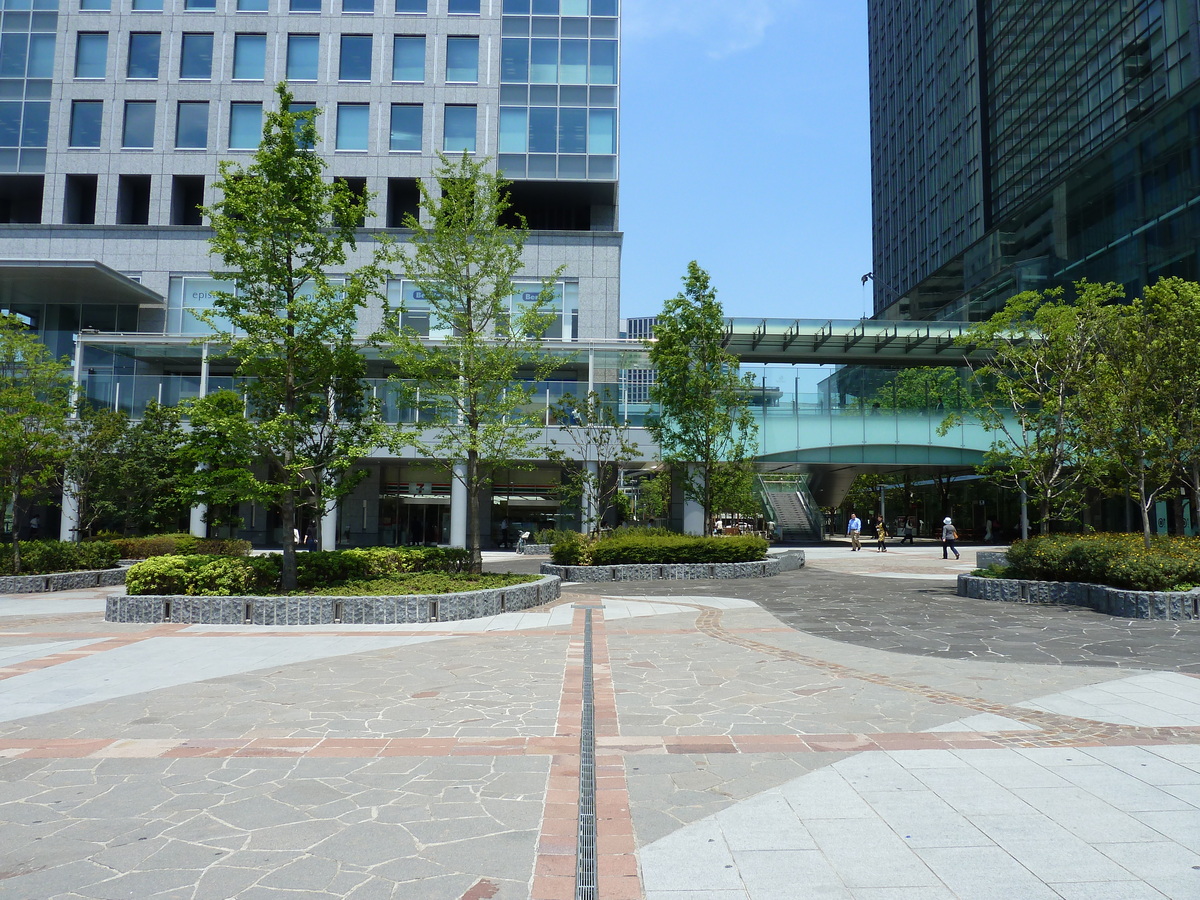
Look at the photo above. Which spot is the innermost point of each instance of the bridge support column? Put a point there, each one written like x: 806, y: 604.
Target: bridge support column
x: 458, y: 506
x: 68, y: 523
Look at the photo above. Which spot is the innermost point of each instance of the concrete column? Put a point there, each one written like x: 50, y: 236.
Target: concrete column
x: 198, y: 528
x: 589, y: 512
x: 329, y: 526
x: 693, y: 513
x: 68, y: 523
x: 1024, y: 513
x: 458, y: 506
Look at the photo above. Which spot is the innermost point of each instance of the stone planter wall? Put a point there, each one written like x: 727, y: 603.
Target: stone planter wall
x: 536, y: 549
x: 985, y: 558
x: 1114, y: 601
x: 786, y: 562
x: 306, y: 610
x: 61, y: 581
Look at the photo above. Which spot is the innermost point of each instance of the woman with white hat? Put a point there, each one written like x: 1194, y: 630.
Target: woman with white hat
x: 949, y: 536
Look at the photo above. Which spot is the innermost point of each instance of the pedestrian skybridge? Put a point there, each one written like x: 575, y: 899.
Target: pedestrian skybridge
x: 848, y: 341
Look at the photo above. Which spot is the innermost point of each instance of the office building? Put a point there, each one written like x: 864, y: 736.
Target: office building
x: 1025, y: 144
x: 116, y: 113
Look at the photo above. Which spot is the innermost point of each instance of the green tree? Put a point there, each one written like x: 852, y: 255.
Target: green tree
x: 35, y: 408
x: 91, y: 469
x: 704, y: 425
x: 145, y: 495
x: 654, y: 497
x: 473, y: 387
x: 923, y: 387
x: 280, y: 229
x: 595, y: 445
x: 1041, y: 357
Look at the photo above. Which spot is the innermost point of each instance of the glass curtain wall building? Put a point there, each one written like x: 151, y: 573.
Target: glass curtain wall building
x: 116, y: 113
x: 1023, y: 144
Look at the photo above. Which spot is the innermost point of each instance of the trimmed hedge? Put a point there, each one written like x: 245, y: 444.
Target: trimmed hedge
x: 179, y: 544
x: 44, y: 557
x: 221, y: 576
x: 641, y: 549
x: 1116, y: 560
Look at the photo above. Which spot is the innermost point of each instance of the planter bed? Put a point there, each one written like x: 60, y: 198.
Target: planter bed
x: 786, y: 562
x: 536, y: 549
x: 61, y: 581
x: 322, y: 610
x: 1114, y: 601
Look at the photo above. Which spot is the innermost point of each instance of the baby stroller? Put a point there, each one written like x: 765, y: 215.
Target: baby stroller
x: 522, y: 539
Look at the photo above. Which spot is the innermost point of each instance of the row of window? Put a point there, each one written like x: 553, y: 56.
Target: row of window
x: 302, y: 57
x: 410, y: 7
x: 351, y: 125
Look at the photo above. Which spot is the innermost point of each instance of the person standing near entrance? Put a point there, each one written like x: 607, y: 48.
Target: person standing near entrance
x: 854, y: 529
x: 504, y: 542
x: 949, y: 536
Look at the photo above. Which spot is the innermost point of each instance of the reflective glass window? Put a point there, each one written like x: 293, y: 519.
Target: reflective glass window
x: 252, y: 5
x: 573, y: 67
x: 463, y: 7
x: 303, y: 57
x: 604, y: 62
x: 41, y: 55
x: 245, y: 125
x: 406, y: 126
x: 458, y: 134
x: 305, y: 6
x: 572, y: 130
x: 602, y: 131
x: 10, y: 123
x: 543, y: 61
x: 191, y: 126
x: 249, y: 56
x: 354, y: 61
x: 299, y: 108
x: 543, y: 130
x: 195, y: 56
x: 573, y: 7
x: 353, y: 126
x: 94, y: 5
x: 14, y: 54
x: 408, y: 57
x: 514, y: 60
x: 462, y: 59
x: 604, y: 7
x: 91, y: 54
x: 86, y: 117
x: 144, y: 51
x: 514, y: 129
x: 358, y: 6
x: 411, y: 6
x: 138, y: 131
x: 545, y: 7
x: 200, y: 5
x: 147, y: 5
x: 35, y: 125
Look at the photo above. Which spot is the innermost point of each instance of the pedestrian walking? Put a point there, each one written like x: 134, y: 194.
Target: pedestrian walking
x: 910, y: 526
x: 854, y: 529
x: 949, y: 536
x: 881, y: 535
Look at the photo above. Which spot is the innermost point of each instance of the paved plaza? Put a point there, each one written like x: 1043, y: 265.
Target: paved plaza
x: 852, y: 730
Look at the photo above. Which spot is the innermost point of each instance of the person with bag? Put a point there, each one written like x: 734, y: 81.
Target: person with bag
x: 854, y: 529
x: 881, y: 534
x: 949, y: 536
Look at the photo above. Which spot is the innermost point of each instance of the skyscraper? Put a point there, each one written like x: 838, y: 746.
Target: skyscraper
x: 116, y: 113
x: 1023, y: 144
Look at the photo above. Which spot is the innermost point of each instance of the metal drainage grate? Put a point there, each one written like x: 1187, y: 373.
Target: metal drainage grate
x: 585, y: 860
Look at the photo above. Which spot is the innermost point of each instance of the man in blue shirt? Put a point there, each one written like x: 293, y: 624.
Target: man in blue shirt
x: 854, y: 529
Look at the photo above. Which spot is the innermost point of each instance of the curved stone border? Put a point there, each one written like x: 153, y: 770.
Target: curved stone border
x: 61, y: 581
x: 785, y: 562
x: 536, y: 549
x: 310, y: 610
x: 1114, y: 601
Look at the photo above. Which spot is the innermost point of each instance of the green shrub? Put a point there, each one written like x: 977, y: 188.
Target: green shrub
x: 571, y: 549
x: 43, y: 557
x: 677, y: 548
x: 553, y: 535
x: 644, y: 531
x: 223, y: 547
x: 1117, y: 560
x: 223, y: 576
x: 160, y: 575
x: 423, y: 583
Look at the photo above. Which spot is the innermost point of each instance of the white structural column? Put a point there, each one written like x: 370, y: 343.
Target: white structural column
x: 693, y: 512
x: 68, y: 525
x: 590, y: 511
x: 458, y: 506
x: 329, y: 526
x: 197, y: 527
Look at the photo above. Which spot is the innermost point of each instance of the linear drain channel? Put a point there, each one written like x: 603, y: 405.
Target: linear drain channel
x: 585, y: 860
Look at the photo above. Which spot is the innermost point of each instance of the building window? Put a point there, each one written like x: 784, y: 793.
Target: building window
x: 358, y: 6
x: 86, y: 116
x: 602, y: 131
x: 353, y: 126
x: 301, y: 108
x: 143, y: 55
x: 543, y: 61
x: 416, y: 7
x: 138, y: 131
x: 245, y: 126
x: 354, y: 61
x: 543, y: 130
x: 146, y: 5
x: 195, y: 56
x: 191, y: 126
x: 304, y: 6
x: 252, y: 5
x: 303, y: 55
x: 458, y: 132
x: 91, y: 54
x: 94, y: 5
x: 514, y: 130
x: 200, y: 5
x: 462, y: 59
x: 249, y: 57
x: 573, y: 62
x: 463, y: 7
x: 603, y: 68
x: 408, y: 57
x: 514, y: 61
x: 406, y: 126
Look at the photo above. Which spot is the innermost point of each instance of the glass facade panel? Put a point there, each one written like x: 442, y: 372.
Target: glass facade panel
x: 353, y: 126
x: 253, y: 5
x: 514, y: 61
x: 408, y: 57
x: 603, y: 62
x: 195, y: 56
x: 463, y: 7
x: 462, y: 59
x: 305, y: 6
x: 144, y: 52
x: 514, y: 130
x: 416, y: 7
x: 303, y: 57
x: 458, y: 134
x: 354, y: 61
x: 146, y: 5
x: 602, y: 131
x: 200, y: 5
x: 406, y: 126
x: 249, y: 57
x: 572, y: 130
x: 191, y: 126
x: 574, y: 62
x: 543, y: 61
x: 86, y: 119
x: 543, y: 130
x: 245, y: 126
x: 91, y: 54
x: 358, y: 6
x: 138, y: 130
x: 94, y: 5
x: 10, y: 124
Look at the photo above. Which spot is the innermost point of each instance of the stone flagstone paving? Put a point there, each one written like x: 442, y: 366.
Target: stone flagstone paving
x: 851, y: 730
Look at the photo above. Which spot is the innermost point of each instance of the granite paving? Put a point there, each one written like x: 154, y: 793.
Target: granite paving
x: 851, y: 730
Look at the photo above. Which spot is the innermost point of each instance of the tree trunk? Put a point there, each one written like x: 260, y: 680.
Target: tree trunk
x: 1145, y: 508
x: 1195, y: 486
x: 16, y: 508
x: 473, y: 532
x: 1044, y: 508
x: 287, y: 509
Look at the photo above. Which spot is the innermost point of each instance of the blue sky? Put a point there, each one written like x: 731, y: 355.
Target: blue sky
x: 745, y: 146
